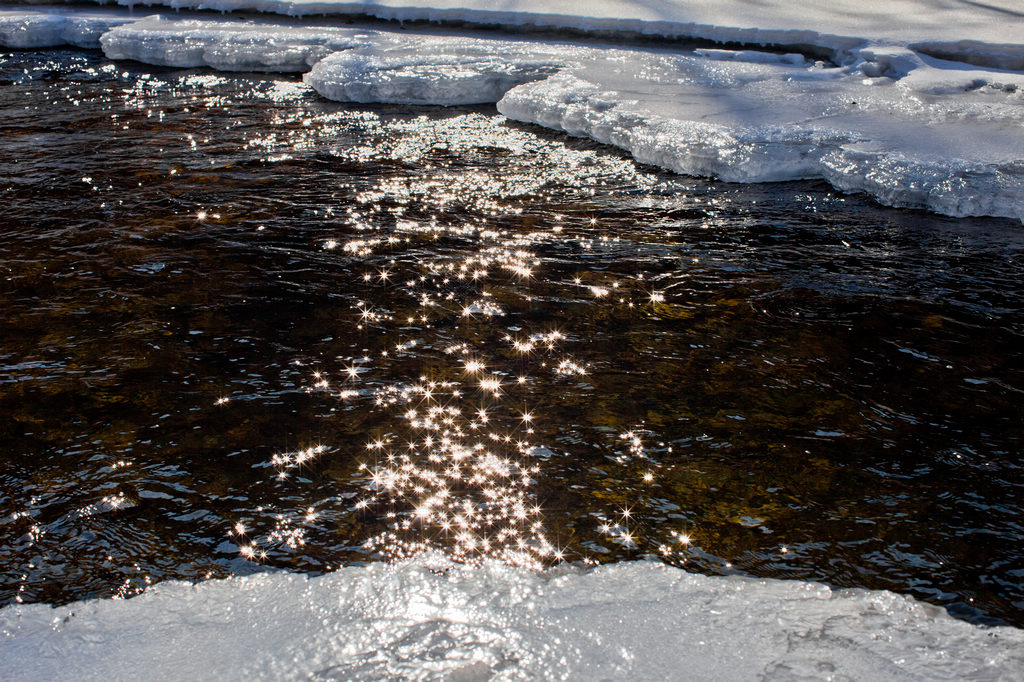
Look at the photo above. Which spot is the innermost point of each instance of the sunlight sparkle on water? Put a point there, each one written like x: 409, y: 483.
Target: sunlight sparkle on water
x: 453, y: 466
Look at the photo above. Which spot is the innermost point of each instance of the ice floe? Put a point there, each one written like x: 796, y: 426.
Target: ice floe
x: 947, y: 139
x: 427, y: 618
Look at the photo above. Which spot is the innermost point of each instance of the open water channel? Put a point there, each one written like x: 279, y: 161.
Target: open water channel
x: 243, y: 326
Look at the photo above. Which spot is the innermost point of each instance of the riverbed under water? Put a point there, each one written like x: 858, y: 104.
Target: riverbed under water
x: 244, y: 327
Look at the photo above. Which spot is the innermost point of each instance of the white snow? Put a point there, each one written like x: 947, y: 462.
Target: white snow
x: 949, y: 138
x: 426, y: 618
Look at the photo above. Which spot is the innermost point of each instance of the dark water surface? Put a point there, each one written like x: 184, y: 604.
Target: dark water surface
x: 242, y: 321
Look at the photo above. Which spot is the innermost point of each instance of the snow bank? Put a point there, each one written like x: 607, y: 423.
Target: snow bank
x: 836, y: 25
x: 898, y: 123
x: 426, y: 618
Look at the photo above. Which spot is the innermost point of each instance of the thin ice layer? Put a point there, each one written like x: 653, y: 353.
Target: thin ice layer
x: 426, y: 618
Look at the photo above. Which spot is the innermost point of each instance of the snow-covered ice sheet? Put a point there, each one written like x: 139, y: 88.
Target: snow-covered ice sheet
x: 434, y: 71
x: 938, y: 135
x: 426, y: 618
x: 908, y: 129
x: 898, y: 123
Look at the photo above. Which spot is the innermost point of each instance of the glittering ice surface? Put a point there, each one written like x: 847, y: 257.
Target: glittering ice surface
x: 427, y: 619
x: 883, y: 117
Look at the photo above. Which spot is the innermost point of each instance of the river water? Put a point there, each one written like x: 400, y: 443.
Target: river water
x: 246, y: 327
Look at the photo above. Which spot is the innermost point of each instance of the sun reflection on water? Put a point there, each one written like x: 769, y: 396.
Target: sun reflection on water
x: 453, y: 467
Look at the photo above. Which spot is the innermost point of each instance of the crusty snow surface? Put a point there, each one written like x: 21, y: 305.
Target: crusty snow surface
x: 426, y: 618
x: 923, y: 110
